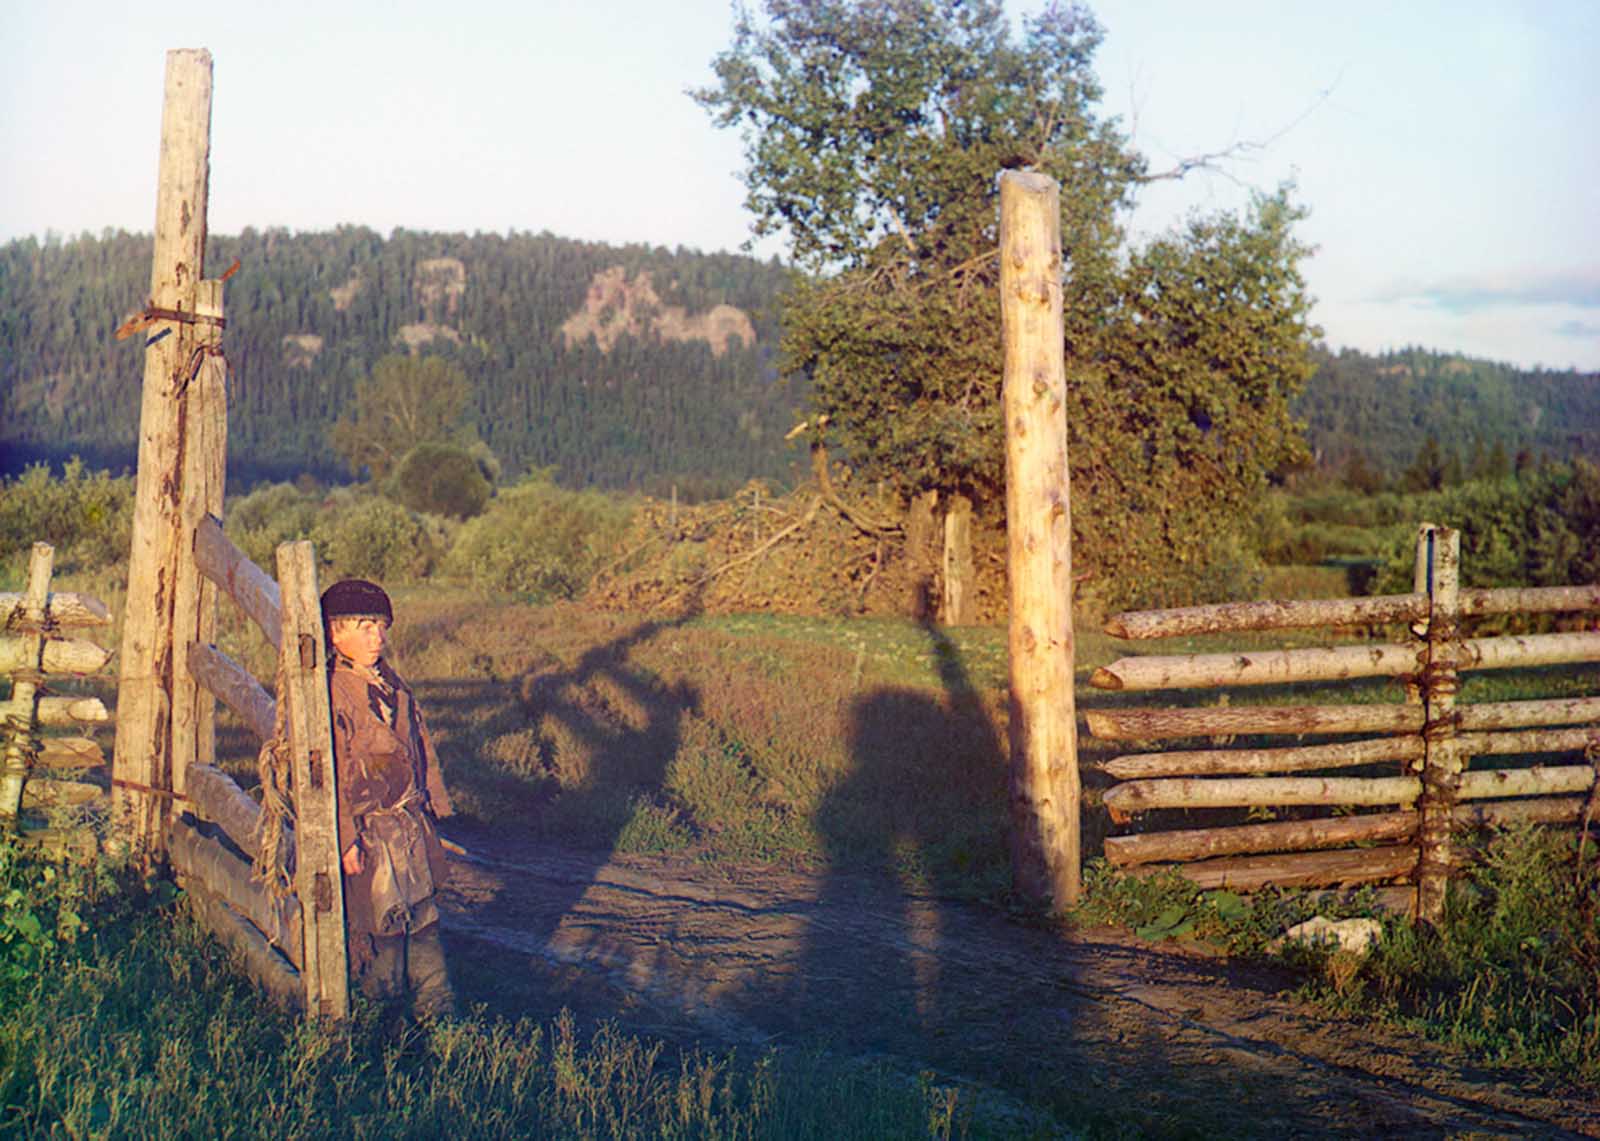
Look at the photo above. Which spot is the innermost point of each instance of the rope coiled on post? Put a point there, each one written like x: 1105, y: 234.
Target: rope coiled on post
x: 274, y: 839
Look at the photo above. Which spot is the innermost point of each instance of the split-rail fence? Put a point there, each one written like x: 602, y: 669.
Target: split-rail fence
x: 34, y: 650
x: 1397, y: 828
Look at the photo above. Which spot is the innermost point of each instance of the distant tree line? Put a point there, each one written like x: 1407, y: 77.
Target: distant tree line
x: 311, y: 315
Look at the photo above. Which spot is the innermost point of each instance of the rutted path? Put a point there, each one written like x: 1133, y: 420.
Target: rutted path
x: 1151, y: 1040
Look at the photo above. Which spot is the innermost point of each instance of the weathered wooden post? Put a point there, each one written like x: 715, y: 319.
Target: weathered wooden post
x: 20, y: 710
x: 319, y: 881
x: 164, y: 719
x: 1442, y: 756
x: 1045, y: 824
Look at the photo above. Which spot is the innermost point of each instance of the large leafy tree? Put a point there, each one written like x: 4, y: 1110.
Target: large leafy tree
x: 403, y: 402
x: 874, y: 131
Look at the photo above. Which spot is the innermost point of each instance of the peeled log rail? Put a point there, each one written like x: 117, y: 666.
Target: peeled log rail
x: 221, y: 872
x: 65, y: 711
x: 1532, y: 650
x: 1543, y: 810
x: 1518, y: 714
x: 1124, y: 800
x: 255, y: 591
x: 1236, y: 616
x: 214, y: 796
x: 1165, y: 724
x: 1537, y: 781
x: 262, y: 961
x: 1282, y: 836
x: 56, y: 656
x: 1380, y: 610
x: 1529, y: 600
x: 69, y: 753
x: 1307, y: 758
x: 1319, y: 663
x: 1527, y: 741
x: 1345, y: 868
x: 42, y: 792
x: 231, y: 684
x: 61, y: 609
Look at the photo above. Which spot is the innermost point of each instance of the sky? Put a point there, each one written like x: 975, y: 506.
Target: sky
x: 1447, y: 149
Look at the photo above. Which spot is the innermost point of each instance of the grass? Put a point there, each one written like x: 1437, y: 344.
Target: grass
x: 139, y: 1025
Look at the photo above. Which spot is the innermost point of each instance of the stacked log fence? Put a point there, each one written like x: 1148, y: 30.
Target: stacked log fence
x: 1390, y: 786
x: 48, y: 777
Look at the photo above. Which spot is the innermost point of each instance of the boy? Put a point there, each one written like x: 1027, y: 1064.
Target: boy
x: 390, y: 794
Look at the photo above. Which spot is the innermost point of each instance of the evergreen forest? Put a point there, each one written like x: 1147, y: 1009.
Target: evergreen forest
x: 310, y: 315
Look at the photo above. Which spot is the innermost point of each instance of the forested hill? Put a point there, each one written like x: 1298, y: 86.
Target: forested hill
x: 620, y: 366
x: 631, y: 366
x: 1384, y: 408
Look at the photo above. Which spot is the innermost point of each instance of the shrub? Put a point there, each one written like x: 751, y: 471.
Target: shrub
x: 441, y: 479
x: 87, y: 516
x: 368, y: 536
x: 269, y: 515
x: 539, y: 539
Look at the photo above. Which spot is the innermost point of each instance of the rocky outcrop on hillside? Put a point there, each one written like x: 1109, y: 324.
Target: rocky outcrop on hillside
x: 616, y: 306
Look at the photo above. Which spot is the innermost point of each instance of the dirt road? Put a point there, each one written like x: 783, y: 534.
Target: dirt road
x: 1105, y: 1032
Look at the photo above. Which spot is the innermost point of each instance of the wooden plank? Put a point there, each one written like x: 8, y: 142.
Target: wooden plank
x: 76, y: 844
x: 62, y: 609
x: 1268, y: 667
x: 69, y: 753
x: 1305, y: 758
x: 1345, y: 868
x: 194, y: 604
x: 1045, y: 826
x: 215, y: 797
x: 1216, y: 721
x: 57, y: 656
x: 142, y: 756
x: 1124, y: 800
x: 1233, y: 617
x: 254, y: 591
x: 318, y: 878
x: 1279, y: 836
x: 198, y: 857
x: 259, y: 959
x: 233, y: 685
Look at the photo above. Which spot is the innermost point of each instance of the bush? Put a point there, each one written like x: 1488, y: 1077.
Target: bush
x: 269, y: 515
x: 441, y: 479
x: 368, y: 536
x: 539, y: 539
x: 87, y: 516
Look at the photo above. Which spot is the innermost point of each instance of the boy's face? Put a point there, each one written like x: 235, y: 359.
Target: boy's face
x: 362, y: 640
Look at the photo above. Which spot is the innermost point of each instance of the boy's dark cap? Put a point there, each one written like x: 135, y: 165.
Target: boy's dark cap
x: 356, y: 598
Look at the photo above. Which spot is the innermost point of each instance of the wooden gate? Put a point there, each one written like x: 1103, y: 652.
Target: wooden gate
x: 169, y: 800
x: 1429, y: 740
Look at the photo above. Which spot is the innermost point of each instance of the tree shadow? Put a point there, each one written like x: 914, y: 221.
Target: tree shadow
x: 596, y: 739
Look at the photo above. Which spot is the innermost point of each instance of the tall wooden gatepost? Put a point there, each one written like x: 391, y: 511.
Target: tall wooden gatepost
x: 1045, y: 826
x: 164, y: 719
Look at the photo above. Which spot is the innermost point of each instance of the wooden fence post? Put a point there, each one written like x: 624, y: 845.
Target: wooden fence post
x: 179, y: 476
x: 1045, y: 825
x: 319, y: 880
x: 1442, y: 757
x: 19, y: 719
